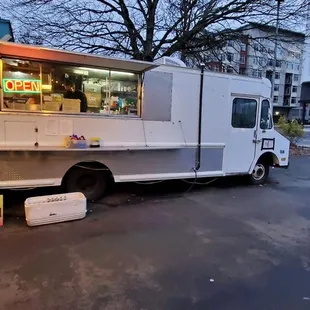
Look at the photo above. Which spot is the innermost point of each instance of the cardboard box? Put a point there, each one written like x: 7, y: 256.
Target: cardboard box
x: 93, y: 100
x: 71, y: 105
x: 51, y: 106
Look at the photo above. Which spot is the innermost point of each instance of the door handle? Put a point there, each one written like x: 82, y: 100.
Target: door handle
x: 257, y: 141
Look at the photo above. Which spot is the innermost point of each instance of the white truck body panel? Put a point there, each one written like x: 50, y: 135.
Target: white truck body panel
x: 140, y: 149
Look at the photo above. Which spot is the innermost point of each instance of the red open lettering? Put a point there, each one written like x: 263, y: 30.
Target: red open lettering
x: 9, y: 85
x: 18, y: 85
x: 22, y: 86
x: 27, y: 86
x: 35, y: 86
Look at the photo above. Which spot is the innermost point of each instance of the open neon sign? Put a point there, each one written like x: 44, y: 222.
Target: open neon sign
x: 21, y: 86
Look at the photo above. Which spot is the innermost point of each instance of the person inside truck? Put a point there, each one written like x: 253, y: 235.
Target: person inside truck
x: 73, y: 93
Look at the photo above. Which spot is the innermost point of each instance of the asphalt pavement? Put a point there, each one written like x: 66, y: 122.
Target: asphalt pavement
x: 220, y: 246
x: 305, y: 141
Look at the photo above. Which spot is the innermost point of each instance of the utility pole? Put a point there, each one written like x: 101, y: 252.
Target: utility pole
x: 275, y: 48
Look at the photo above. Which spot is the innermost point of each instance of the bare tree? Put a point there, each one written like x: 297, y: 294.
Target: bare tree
x: 142, y: 29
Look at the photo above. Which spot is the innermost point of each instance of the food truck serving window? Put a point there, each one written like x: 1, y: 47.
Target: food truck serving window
x: 50, y: 87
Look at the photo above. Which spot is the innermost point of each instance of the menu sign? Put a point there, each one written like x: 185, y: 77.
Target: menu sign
x: 21, y: 86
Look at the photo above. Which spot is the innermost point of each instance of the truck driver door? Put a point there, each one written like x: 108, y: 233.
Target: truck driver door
x: 240, y: 147
x: 264, y: 137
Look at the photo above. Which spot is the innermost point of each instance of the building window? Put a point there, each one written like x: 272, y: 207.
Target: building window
x: 230, y: 43
x: 275, y: 99
x: 230, y: 69
x: 242, y: 59
x: 294, y: 54
x: 41, y: 86
x: 280, y: 51
x: 294, y: 89
x: 276, y: 87
x: 243, y: 47
x: 244, y: 113
x: 270, y: 62
x: 296, y: 67
x: 293, y: 100
x: 277, y: 75
x: 255, y: 60
x: 255, y: 73
x: 216, y: 68
x: 230, y: 56
x: 261, y: 61
x: 296, y: 77
x: 295, y: 113
x: 211, y: 58
x: 278, y: 63
x: 290, y: 66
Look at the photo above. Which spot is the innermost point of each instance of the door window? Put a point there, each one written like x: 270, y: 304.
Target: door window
x: 265, y: 115
x: 244, y: 113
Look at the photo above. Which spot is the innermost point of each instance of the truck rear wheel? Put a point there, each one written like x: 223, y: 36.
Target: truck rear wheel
x: 92, y: 183
x: 260, y: 173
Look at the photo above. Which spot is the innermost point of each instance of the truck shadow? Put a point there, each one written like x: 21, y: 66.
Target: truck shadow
x: 121, y: 194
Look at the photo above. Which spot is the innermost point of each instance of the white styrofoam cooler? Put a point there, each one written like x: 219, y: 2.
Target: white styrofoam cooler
x: 55, y: 208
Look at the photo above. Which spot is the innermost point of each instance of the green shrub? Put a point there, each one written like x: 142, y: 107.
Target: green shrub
x: 291, y: 130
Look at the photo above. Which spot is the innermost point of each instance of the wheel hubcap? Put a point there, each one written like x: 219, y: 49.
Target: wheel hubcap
x: 258, y: 172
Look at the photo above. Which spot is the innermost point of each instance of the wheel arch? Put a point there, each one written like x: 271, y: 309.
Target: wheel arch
x: 91, y: 165
x: 269, y: 157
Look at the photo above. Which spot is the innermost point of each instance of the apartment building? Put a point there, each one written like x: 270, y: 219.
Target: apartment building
x: 253, y: 55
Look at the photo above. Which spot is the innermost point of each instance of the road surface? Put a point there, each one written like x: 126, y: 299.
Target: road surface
x: 305, y: 141
x: 222, y: 246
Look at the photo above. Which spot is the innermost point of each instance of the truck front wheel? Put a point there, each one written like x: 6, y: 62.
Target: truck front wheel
x: 260, y: 173
x: 92, y: 183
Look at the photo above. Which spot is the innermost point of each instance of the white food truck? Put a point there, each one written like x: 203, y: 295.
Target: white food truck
x: 143, y: 122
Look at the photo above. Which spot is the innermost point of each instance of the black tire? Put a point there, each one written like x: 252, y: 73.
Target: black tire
x: 91, y: 183
x: 260, y: 173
